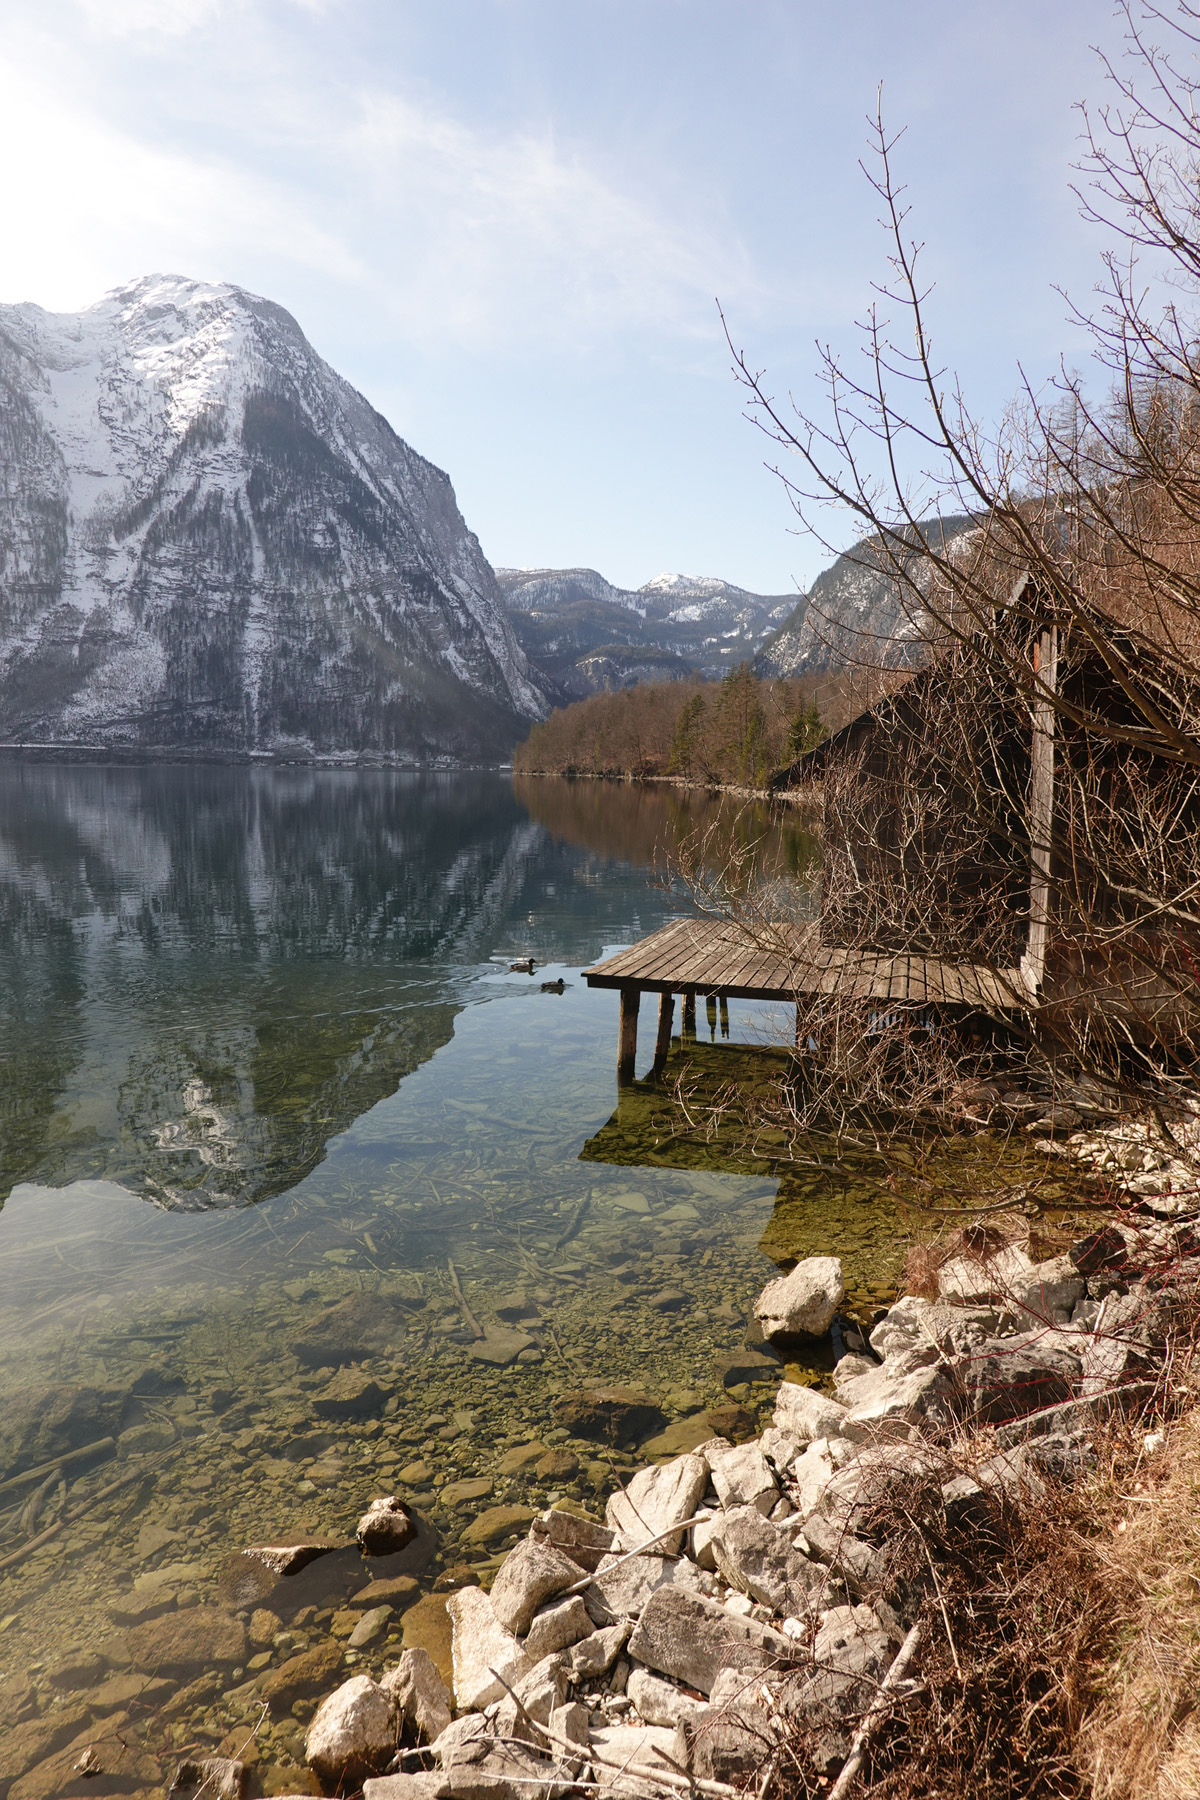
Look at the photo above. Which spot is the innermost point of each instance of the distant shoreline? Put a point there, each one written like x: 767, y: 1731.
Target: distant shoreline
x: 149, y: 755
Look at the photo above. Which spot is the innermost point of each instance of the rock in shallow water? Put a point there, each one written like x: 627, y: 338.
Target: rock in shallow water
x: 356, y: 1327
x: 803, y: 1303
x: 423, y: 1698
x: 385, y: 1527
x: 183, y: 1643
x: 353, y: 1734
x: 611, y: 1415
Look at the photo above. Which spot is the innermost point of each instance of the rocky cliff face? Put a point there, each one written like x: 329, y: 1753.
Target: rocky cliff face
x: 584, y: 634
x: 852, y: 614
x: 210, y: 541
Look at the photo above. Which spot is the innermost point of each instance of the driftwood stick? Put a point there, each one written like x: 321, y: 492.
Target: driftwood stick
x: 469, y: 1320
x: 104, y: 1445
x: 16, y: 1556
x: 875, y: 1715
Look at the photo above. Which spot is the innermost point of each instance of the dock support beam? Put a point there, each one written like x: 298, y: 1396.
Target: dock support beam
x: 631, y: 999
x: 689, y: 1015
x: 662, y: 1043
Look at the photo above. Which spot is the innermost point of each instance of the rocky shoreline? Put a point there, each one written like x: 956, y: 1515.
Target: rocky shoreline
x: 740, y: 1598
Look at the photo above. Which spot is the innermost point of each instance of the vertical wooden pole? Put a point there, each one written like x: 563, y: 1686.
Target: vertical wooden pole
x: 724, y: 1017
x: 1041, y: 807
x: 710, y: 1013
x: 689, y: 1015
x: 631, y: 998
x: 662, y: 1043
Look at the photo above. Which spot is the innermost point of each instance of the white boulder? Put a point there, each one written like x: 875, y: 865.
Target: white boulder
x: 803, y: 1303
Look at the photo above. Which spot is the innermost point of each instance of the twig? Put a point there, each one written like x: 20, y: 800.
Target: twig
x: 937, y: 1588
x: 683, y: 1525
x: 875, y: 1715
x: 469, y: 1319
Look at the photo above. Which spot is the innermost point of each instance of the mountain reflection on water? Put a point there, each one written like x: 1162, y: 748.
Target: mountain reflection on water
x: 207, y: 973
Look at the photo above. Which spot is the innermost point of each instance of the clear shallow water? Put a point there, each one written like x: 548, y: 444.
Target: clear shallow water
x: 260, y: 1053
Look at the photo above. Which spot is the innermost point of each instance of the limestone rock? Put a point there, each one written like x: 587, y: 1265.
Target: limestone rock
x: 385, y: 1527
x: 633, y: 1749
x: 655, y: 1499
x: 583, y: 1540
x: 389, y: 1590
x: 852, y: 1640
x: 557, y: 1627
x: 849, y: 1367
x: 897, y: 1395
x: 210, y: 1778
x: 805, y: 1414
x: 571, y: 1722
x: 531, y: 1574
x: 759, y: 1559
x: 595, y: 1655
x: 184, y: 1643
x: 353, y: 1734
x: 914, y: 1324
x: 659, y: 1702
x: 419, y: 1692
x: 1002, y: 1275
x: 480, y: 1645
x: 803, y: 1303
x: 725, y: 1742
x: 1053, y: 1291
x: 691, y: 1638
x: 1016, y: 1376
x: 742, y: 1478
x: 621, y: 1589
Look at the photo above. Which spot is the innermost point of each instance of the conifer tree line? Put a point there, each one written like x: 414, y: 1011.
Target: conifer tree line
x: 734, y: 732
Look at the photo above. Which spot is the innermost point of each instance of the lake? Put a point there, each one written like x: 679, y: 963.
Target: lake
x: 277, y: 1123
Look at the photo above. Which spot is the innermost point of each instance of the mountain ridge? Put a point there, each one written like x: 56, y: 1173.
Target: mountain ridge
x: 210, y: 540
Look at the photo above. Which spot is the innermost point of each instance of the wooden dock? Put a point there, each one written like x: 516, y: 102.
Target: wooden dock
x: 781, y: 963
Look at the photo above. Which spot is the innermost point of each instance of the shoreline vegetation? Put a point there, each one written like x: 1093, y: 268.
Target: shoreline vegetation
x: 729, y: 734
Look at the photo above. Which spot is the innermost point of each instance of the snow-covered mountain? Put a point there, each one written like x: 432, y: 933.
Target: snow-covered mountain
x: 210, y: 541
x: 586, y: 634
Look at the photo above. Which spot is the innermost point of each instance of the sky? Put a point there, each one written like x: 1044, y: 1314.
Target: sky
x: 510, y: 222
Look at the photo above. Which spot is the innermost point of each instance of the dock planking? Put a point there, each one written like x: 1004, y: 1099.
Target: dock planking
x: 782, y: 963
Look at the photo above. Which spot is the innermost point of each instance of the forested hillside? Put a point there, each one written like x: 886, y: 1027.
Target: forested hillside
x: 733, y: 731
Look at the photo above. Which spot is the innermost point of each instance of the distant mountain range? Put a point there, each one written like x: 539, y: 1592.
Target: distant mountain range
x: 211, y: 543
x: 584, y: 634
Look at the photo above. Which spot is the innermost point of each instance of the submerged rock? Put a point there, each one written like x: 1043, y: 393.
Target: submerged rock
x: 611, y: 1415
x: 355, y: 1327
x: 183, y: 1643
x: 247, y: 1576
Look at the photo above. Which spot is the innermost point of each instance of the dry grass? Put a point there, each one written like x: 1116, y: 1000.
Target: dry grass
x: 1141, y: 1739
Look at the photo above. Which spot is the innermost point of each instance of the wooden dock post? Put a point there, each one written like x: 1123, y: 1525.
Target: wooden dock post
x: 631, y: 999
x: 662, y: 1043
x: 689, y: 1015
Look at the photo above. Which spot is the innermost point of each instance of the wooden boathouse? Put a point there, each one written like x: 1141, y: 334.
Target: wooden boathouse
x: 960, y: 870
